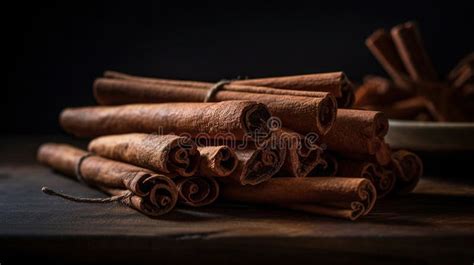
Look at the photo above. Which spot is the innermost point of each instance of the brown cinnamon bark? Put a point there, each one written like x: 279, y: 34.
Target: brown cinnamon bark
x: 327, y: 167
x: 467, y: 61
x: 302, y: 114
x: 416, y: 108
x: 465, y: 76
x: 257, y: 165
x: 234, y: 85
x: 408, y: 168
x: 377, y: 90
x: 241, y: 119
x: 335, y: 83
x: 302, y: 153
x: 161, y: 153
x: 197, y: 191
x: 342, y: 197
x: 357, y: 131
x: 217, y: 161
x: 153, y: 194
x: 382, y: 155
x: 383, y: 180
x: 311, y: 85
x: 409, y: 44
x: 381, y: 44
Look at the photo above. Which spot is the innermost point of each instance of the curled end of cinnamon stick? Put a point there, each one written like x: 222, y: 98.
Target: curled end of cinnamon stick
x: 409, y: 168
x: 159, y: 195
x: 326, y: 115
x: 197, y: 191
x: 217, y: 161
x: 255, y: 121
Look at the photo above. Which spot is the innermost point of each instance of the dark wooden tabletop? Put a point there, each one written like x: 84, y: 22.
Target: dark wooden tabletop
x: 433, y: 225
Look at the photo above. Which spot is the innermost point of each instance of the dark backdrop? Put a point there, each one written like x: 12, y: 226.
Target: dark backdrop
x: 55, y: 50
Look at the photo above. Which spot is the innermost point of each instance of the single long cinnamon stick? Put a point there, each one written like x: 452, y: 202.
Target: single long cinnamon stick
x: 302, y: 153
x: 241, y: 119
x: 311, y: 85
x: 416, y: 108
x: 302, y: 114
x: 335, y: 83
x: 357, y: 131
x: 408, y: 168
x: 465, y: 76
x: 216, y: 161
x: 153, y: 194
x: 197, y: 191
x: 409, y: 44
x: 161, y: 153
x: 466, y: 61
x: 257, y: 165
x: 381, y: 44
x: 382, y: 155
x: 333, y: 195
x: 377, y: 90
x: 383, y: 181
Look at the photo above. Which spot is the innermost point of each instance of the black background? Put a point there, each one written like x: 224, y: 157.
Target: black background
x: 55, y: 50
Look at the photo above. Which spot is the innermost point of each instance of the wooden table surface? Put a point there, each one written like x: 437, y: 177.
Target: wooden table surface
x: 433, y: 225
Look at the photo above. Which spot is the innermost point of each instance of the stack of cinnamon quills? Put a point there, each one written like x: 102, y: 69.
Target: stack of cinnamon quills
x: 415, y: 91
x: 281, y: 141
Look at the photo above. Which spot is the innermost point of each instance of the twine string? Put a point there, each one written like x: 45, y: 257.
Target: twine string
x: 214, y: 89
x: 65, y: 196
x: 80, y: 178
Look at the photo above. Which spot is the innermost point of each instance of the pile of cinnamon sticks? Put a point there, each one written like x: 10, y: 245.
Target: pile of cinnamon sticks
x: 281, y: 141
x: 415, y: 91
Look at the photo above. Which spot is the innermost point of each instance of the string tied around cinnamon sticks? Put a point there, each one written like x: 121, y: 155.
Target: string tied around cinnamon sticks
x: 80, y: 178
x: 215, y: 88
x: 65, y: 196
x: 77, y: 169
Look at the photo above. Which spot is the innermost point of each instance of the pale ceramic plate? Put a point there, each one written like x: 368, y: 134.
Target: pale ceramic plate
x: 431, y: 136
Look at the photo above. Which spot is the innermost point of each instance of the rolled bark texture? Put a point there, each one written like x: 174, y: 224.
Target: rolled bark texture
x: 152, y: 194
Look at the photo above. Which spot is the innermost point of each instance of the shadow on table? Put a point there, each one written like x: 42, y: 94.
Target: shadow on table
x: 411, y: 210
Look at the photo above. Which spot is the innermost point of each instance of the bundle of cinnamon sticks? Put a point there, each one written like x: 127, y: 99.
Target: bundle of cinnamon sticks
x: 282, y: 141
x: 415, y: 91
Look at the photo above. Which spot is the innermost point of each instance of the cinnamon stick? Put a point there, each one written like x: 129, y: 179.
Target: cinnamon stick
x: 216, y: 161
x: 347, y: 198
x: 241, y: 119
x: 408, y: 168
x: 416, y: 108
x: 257, y: 165
x: 160, y: 153
x: 465, y: 76
x: 302, y: 153
x: 377, y: 90
x: 357, y: 131
x: 197, y: 191
x: 310, y: 85
x: 409, y: 44
x: 302, y: 114
x: 383, y: 180
x: 381, y: 44
x: 382, y: 155
x: 467, y: 61
x: 152, y: 194
x: 335, y: 83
